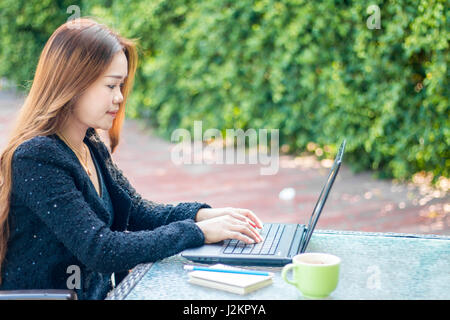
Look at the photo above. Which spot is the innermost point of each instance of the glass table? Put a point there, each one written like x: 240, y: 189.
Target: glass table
x: 374, y: 266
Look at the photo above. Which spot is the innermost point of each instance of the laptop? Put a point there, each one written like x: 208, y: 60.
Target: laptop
x: 280, y: 243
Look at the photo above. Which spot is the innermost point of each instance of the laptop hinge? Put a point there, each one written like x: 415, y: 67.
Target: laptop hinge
x: 302, y: 248
x: 297, y: 241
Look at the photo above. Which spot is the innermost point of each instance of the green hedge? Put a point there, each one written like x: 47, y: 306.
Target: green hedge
x: 312, y: 69
x: 25, y: 27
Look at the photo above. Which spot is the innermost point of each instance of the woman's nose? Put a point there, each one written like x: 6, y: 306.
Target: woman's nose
x: 118, y: 97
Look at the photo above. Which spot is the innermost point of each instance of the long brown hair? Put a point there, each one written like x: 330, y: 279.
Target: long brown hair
x: 75, y: 56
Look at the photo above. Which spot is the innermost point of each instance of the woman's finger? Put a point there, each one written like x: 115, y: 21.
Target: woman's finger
x: 247, y: 229
x: 241, y: 237
x: 247, y: 222
x: 245, y: 215
x: 242, y: 218
x: 250, y: 222
x: 249, y: 214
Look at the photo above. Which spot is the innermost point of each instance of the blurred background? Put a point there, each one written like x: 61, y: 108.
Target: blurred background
x: 316, y: 71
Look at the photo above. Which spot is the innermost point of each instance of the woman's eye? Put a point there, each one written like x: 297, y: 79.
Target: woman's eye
x: 113, y: 86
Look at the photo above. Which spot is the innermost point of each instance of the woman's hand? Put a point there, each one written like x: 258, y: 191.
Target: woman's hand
x: 228, y: 223
x: 241, y: 214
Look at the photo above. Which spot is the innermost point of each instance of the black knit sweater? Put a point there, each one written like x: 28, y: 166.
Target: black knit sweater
x: 58, y: 220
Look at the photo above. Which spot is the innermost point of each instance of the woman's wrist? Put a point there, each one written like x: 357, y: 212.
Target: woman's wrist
x: 201, y: 214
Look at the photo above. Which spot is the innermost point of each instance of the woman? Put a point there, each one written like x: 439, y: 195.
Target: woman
x: 63, y: 201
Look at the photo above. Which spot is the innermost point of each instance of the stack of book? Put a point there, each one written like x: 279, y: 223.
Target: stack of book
x: 229, y: 279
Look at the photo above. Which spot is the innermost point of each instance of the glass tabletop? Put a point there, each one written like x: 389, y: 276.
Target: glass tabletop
x: 374, y: 266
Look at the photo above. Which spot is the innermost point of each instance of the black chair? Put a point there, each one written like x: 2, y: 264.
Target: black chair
x: 51, y: 294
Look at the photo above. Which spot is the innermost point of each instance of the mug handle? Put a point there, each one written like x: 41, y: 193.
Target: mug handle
x: 284, y: 272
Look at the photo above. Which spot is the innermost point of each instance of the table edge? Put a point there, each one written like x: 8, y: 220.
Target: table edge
x: 384, y: 234
x: 129, y: 282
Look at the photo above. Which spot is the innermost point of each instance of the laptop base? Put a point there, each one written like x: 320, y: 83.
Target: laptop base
x: 288, y: 246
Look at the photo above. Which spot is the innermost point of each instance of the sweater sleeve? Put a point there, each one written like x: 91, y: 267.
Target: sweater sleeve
x: 43, y: 183
x: 146, y: 214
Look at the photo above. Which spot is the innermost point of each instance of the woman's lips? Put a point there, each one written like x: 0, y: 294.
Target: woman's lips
x: 113, y: 114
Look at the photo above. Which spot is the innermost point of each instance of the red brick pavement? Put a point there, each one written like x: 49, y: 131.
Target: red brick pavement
x: 357, y: 201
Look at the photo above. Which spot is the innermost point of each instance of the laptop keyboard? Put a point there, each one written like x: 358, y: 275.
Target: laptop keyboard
x: 271, y: 234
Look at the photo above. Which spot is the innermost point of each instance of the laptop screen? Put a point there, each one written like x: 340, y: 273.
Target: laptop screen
x: 323, y: 196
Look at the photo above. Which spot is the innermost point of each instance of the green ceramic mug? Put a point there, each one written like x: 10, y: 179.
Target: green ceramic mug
x: 316, y: 275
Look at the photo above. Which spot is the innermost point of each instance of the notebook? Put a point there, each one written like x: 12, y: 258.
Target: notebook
x: 230, y: 282
x: 281, y: 242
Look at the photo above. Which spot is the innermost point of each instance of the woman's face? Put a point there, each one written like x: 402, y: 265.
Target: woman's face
x: 97, y: 105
